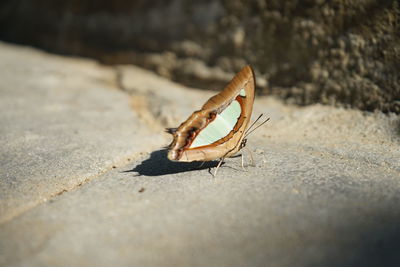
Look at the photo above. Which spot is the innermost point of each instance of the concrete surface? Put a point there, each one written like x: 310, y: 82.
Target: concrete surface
x: 62, y: 123
x: 324, y: 190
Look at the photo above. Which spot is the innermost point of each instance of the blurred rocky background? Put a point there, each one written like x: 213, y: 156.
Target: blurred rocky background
x: 338, y: 52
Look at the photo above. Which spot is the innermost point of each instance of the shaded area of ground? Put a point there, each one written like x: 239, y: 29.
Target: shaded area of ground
x: 158, y: 164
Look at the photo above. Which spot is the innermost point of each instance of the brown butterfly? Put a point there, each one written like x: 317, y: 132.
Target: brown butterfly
x: 218, y: 130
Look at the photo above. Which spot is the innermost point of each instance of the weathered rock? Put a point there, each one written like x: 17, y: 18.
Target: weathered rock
x: 331, y: 52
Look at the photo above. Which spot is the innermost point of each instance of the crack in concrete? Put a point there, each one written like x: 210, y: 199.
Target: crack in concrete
x: 22, y: 210
x: 139, y: 102
x: 119, y: 78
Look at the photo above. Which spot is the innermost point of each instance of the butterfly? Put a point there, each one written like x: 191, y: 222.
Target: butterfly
x: 218, y: 129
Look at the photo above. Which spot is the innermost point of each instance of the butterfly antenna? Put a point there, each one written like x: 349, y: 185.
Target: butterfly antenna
x: 254, y: 122
x: 249, y: 131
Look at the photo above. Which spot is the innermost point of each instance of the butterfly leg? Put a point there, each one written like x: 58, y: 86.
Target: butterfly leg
x: 244, y: 169
x: 251, y: 157
x: 219, y: 165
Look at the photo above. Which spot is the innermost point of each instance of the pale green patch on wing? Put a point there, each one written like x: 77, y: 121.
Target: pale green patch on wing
x: 242, y: 92
x: 219, y: 127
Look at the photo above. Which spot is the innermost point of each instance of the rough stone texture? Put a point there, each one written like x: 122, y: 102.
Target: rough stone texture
x: 324, y: 190
x: 308, y: 51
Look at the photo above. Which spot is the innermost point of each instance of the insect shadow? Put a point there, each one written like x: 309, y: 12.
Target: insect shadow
x: 158, y: 164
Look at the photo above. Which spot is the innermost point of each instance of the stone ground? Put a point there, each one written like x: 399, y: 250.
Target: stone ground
x: 84, y: 181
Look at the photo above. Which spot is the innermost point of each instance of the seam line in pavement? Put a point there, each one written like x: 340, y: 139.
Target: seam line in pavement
x: 118, y: 164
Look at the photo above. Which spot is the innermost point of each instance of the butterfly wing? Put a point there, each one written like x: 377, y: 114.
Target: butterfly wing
x: 217, y: 130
